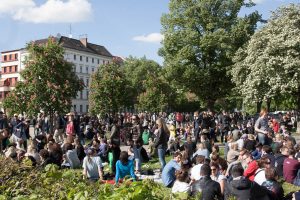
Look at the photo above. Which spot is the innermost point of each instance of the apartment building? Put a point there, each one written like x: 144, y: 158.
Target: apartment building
x: 87, y: 57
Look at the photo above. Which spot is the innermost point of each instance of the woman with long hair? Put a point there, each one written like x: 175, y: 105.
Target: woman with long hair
x: 161, y: 143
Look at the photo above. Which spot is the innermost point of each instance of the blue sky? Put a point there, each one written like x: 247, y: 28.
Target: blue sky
x: 124, y: 27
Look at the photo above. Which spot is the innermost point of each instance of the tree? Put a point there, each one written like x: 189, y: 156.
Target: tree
x: 154, y: 98
x: 110, y: 90
x: 137, y: 71
x: 49, y: 82
x: 200, y: 39
x: 268, y: 66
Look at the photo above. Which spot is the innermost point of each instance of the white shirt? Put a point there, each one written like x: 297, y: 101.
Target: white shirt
x: 260, y: 176
x: 180, y: 187
x: 195, y: 172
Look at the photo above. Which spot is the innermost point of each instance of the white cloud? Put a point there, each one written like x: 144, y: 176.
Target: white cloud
x: 258, y: 1
x: 152, y: 38
x: 52, y: 11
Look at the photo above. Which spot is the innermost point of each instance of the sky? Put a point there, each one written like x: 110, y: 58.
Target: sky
x: 124, y: 27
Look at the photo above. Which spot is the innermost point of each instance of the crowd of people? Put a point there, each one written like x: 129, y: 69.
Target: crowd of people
x: 257, y: 152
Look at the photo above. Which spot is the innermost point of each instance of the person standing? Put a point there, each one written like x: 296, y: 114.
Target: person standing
x: 261, y: 126
x: 161, y: 143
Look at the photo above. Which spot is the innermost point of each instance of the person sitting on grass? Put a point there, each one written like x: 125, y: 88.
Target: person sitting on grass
x: 181, y: 183
x: 124, y: 167
x: 168, y: 173
x: 92, y: 166
x: 272, y: 184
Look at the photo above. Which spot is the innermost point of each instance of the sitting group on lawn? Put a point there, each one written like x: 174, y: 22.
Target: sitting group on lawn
x: 257, y: 156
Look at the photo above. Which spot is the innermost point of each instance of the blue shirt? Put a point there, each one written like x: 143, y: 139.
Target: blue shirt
x: 168, y: 173
x: 124, y: 170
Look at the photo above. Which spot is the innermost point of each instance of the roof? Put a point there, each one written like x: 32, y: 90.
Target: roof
x: 77, y: 45
x: 15, y: 50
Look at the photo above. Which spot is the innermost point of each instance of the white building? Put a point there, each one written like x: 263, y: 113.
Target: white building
x: 87, y: 57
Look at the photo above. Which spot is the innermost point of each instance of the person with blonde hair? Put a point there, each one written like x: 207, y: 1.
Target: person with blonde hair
x: 161, y: 143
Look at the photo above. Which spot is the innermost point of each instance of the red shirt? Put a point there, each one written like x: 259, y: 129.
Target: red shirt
x: 251, y: 169
x: 290, y: 169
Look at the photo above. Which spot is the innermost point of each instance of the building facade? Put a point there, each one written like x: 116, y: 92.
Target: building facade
x: 85, y: 56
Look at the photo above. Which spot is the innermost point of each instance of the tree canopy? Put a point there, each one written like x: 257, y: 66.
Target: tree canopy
x: 109, y: 90
x: 200, y: 39
x: 49, y: 81
x: 268, y: 66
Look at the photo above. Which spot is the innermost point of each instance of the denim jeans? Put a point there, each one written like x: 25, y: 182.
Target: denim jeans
x: 137, y: 158
x: 261, y: 138
x: 161, y: 156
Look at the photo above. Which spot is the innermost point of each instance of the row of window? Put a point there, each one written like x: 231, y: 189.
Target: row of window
x: 10, y: 69
x: 80, y: 108
x: 86, y: 69
x: 3, y: 94
x: 80, y: 96
x: 10, y: 57
x: 87, y: 59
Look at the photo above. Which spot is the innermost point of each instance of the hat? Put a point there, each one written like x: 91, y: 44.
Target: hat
x: 70, y: 113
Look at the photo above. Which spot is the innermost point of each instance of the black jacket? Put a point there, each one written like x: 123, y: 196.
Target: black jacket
x: 210, y: 189
x: 244, y: 189
x: 161, y: 139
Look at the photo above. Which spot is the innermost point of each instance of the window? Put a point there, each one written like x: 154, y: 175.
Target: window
x: 87, y: 95
x: 92, y: 60
x: 10, y: 57
x: 80, y: 69
x: 87, y: 108
x: 98, y: 62
x: 4, y: 69
x: 74, y: 68
x: 87, y: 82
x: 80, y: 108
x: 16, y: 68
x: 74, y: 108
x: 74, y: 56
x: 81, y: 95
x: 87, y: 59
x: 93, y: 70
x: 80, y: 58
x: 10, y: 68
x: 16, y: 56
x: 5, y: 58
x: 87, y: 69
x: 16, y: 79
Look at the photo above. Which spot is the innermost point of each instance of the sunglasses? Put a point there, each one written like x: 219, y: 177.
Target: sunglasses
x: 213, y: 169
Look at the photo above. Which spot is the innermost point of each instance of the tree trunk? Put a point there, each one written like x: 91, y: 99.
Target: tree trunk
x: 51, y: 114
x: 298, y: 100
x: 210, y: 104
x: 258, y: 106
x: 268, y: 104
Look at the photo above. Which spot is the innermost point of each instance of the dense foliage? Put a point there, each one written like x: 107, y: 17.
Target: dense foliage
x: 110, y: 89
x: 200, y: 39
x: 49, y: 81
x: 268, y: 66
x: 21, y: 181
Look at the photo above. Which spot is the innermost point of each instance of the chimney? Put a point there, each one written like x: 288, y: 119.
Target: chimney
x: 84, y: 41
